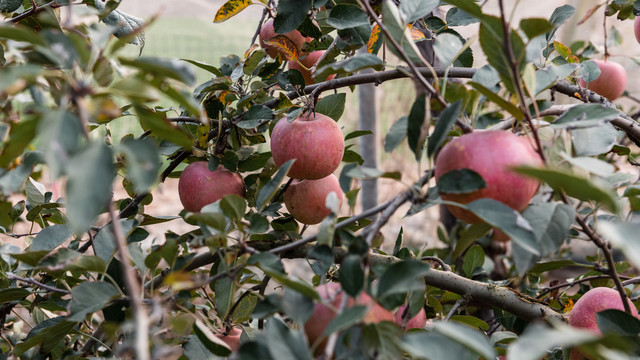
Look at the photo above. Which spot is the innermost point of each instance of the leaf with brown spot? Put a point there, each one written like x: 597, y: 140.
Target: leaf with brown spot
x: 284, y: 46
x: 375, y: 40
x: 231, y: 8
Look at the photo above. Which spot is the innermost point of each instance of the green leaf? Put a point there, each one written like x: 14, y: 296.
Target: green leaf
x: 533, y: 27
x: 210, y: 68
x: 462, y: 181
x: 284, y: 342
x: 438, y: 346
x: 492, y: 43
x: 357, y: 134
x: 345, y: 16
x: 623, y: 236
x: 508, y: 220
x: 332, y: 105
x: 51, y: 237
x: 618, y: 322
x: 89, y: 297
x: 537, y: 339
x: 59, y: 133
x: 546, y: 266
x: 396, y: 134
x: 104, y: 243
x: 585, y: 115
x: 446, y: 120
x: 13, y: 294
x: 91, y: 173
x: 551, y: 223
x: 7, y: 6
x: 473, y: 259
x: 290, y: 15
x: 233, y: 206
x: 163, y: 68
x: 256, y: 115
x: 367, y: 173
x: 471, y: 321
x: 195, y: 349
x: 21, y: 33
x: 402, y: 277
x: 559, y: 16
x: 350, y: 65
x: 574, y: 186
x: 506, y: 105
x: 297, y: 306
x: 269, y: 190
x: 412, y: 10
x: 447, y: 47
x: 346, y: 319
x: 49, y: 334
x: 469, y: 7
x: 19, y: 138
x: 414, y: 125
x: 391, y: 17
x: 547, y: 77
x: 351, y: 275
x: 142, y: 162
x: 593, y: 141
x: 214, y: 344
x: 160, y: 127
x: 468, y: 236
x: 474, y: 340
x: 126, y: 26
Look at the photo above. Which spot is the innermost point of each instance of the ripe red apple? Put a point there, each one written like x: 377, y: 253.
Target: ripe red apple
x: 314, y: 140
x: 323, y: 314
x: 267, y: 32
x: 611, y: 82
x: 232, y: 338
x: 308, y: 62
x: 306, y: 199
x: 583, y: 313
x: 491, y: 154
x: 417, y: 322
x: 198, y: 186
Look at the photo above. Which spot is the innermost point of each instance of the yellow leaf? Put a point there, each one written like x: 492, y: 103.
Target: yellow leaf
x: 230, y: 8
x: 375, y: 39
x: 284, y: 46
x: 416, y: 34
x: 568, y: 306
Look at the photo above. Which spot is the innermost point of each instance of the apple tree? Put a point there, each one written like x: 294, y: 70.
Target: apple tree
x: 518, y: 137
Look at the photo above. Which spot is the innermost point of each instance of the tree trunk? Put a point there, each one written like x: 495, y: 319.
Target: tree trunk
x: 368, y: 121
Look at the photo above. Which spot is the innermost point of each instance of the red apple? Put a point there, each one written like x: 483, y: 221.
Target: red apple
x: 267, y: 32
x: 306, y: 199
x: 323, y: 314
x: 308, y: 62
x: 583, y: 313
x: 417, y: 322
x: 198, y: 186
x: 491, y: 154
x: 232, y: 338
x: 314, y: 140
x: 611, y: 82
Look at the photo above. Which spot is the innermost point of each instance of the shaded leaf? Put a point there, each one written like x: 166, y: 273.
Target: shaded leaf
x: 445, y: 122
x: 89, y: 297
x: 332, y: 105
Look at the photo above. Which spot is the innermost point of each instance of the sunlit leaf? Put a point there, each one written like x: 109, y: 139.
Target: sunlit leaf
x: 231, y: 8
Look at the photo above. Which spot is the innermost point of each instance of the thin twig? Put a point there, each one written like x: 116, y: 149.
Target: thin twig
x: 133, y: 289
x: 32, y: 281
x: 443, y: 265
x: 573, y: 283
x: 464, y: 300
